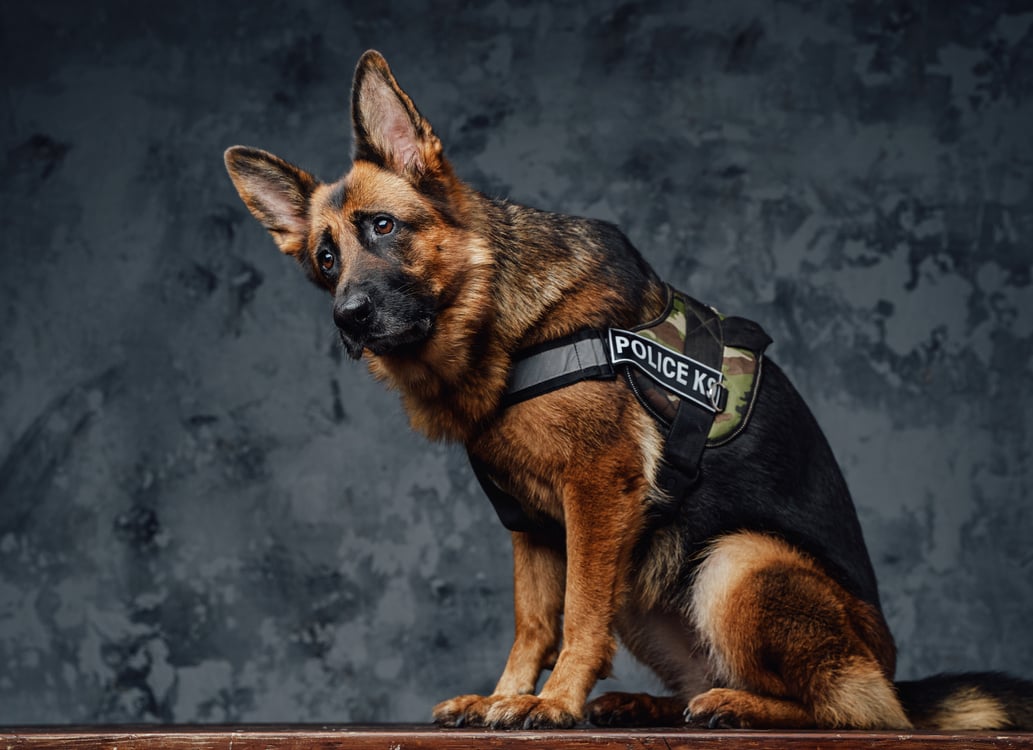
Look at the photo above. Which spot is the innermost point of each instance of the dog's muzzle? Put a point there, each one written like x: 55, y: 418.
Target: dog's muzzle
x: 353, y: 313
x: 382, y: 327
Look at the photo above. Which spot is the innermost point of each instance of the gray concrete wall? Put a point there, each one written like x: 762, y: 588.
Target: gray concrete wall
x: 208, y: 514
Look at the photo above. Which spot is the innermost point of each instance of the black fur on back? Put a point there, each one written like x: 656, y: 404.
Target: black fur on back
x: 780, y: 477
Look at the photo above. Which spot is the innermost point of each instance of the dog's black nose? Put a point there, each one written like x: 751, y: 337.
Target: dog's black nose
x: 352, y: 311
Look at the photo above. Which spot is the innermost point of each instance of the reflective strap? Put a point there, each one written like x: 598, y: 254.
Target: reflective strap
x: 589, y: 355
x: 582, y: 356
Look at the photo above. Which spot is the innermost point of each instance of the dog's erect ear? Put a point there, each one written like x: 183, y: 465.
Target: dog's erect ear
x: 388, y: 128
x: 276, y: 192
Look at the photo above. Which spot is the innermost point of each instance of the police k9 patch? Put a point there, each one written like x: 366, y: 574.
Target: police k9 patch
x: 676, y: 372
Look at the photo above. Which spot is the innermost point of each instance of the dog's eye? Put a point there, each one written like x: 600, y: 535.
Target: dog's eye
x: 327, y: 261
x: 383, y: 224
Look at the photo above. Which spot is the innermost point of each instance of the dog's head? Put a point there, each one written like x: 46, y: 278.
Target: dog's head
x: 384, y: 239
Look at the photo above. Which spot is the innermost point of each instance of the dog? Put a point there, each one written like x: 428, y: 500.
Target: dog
x: 742, y: 581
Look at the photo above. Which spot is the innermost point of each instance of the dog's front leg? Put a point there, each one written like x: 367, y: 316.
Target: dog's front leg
x: 602, y: 527
x: 538, y: 575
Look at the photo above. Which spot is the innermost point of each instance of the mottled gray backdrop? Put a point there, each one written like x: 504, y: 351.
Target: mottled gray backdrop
x: 208, y: 514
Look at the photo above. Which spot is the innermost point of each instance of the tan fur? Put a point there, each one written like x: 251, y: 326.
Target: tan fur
x: 969, y: 709
x: 748, y: 597
x: 859, y: 696
x: 729, y: 562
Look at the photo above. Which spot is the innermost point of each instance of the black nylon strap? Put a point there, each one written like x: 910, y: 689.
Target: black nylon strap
x: 743, y: 333
x: 508, y: 509
x: 688, y: 434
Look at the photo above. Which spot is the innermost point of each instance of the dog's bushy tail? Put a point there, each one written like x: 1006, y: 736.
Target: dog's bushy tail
x: 968, y: 701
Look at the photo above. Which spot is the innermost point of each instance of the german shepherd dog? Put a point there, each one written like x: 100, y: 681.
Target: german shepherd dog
x: 754, y: 602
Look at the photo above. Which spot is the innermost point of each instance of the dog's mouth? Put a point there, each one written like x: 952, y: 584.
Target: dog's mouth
x: 394, y: 342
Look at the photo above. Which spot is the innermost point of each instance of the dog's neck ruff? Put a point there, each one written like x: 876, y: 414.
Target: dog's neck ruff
x: 695, y: 371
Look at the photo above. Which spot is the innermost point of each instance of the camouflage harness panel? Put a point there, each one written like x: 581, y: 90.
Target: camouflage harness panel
x: 740, y: 370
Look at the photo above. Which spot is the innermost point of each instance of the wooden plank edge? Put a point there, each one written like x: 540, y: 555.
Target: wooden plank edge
x: 421, y: 737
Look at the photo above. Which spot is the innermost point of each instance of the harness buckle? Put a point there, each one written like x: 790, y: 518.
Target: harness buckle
x: 718, y: 396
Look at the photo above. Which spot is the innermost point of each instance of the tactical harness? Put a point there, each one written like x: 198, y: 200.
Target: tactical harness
x: 696, y: 372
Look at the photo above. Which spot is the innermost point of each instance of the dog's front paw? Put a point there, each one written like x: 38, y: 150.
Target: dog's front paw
x: 530, y: 712
x: 463, y: 711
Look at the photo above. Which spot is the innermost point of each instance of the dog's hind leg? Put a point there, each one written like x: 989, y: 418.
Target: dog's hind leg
x: 792, y: 647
